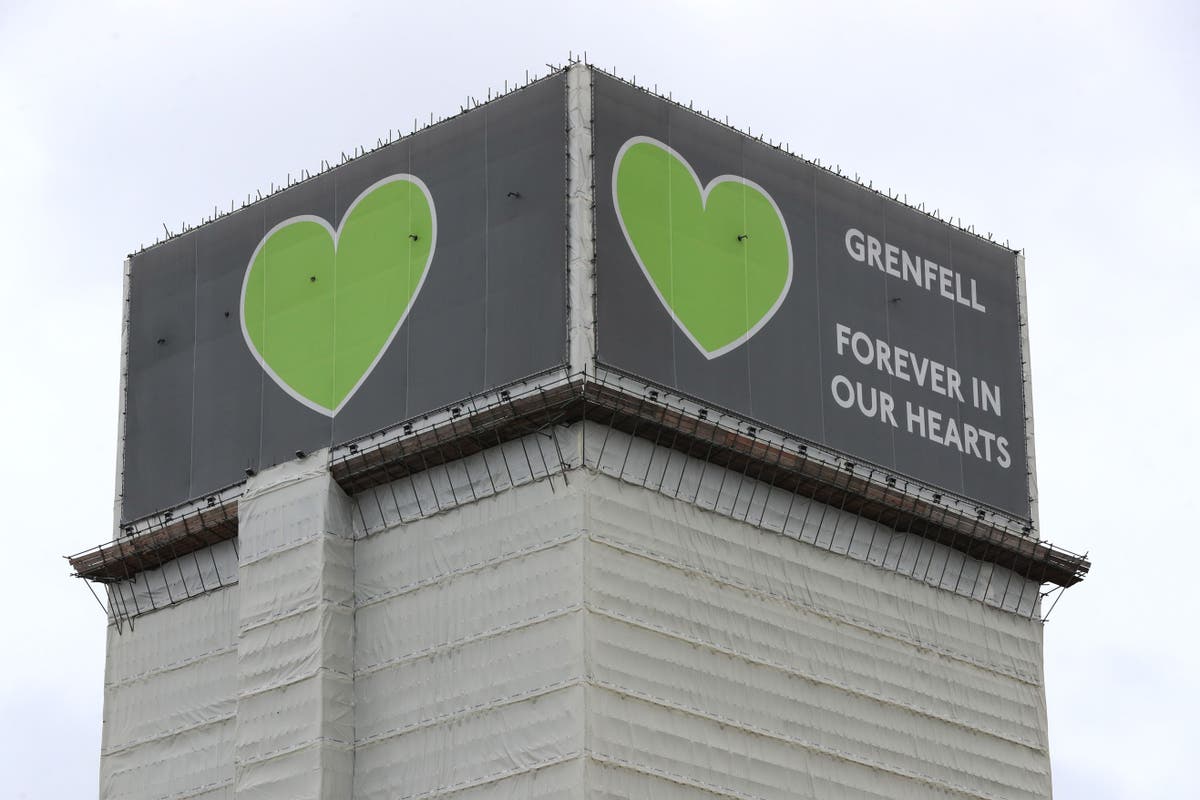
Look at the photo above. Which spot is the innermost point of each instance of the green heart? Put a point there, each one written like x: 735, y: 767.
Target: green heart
x: 320, y: 306
x: 718, y: 257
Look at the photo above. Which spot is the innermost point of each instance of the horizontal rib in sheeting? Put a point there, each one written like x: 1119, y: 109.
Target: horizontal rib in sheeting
x: 473, y: 534
x: 457, y: 714
x: 441, y: 647
x: 569, y: 785
x: 779, y: 563
x: 169, y: 701
x: 708, y: 541
x: 884, y: 743
x: 466, y: 569
x: 166, y: 734
x: 317, y: 768
x: 462, y: 607
x: 680, y: 781
x: 294, y: 748
x: 294, y: 647
x: 286, y: 547
x: 317, y: 708
x: 174, y: 636
x: 186, y: 662
x: 685, y: 742
x: 319, y: 570
x: 472, y: 675
x: 558, y: 779
x: 774, y: 630
x: 653, y: 656
x: 294, y: 611
x: 222, y: 790
x: 473, y: 749
x: 187, y: 762
x: 620, y: 779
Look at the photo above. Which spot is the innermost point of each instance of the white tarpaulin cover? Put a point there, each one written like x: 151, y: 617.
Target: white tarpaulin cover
x: 573, y: 633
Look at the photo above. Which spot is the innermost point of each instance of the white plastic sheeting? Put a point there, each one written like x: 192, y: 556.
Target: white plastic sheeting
x: 738, y: 496
x: 753, y: 664
x: 295, y: 710
x: 581, y: 238
x: 716, y: 658
x: 470, y: 624
x: 170, y: 698
x: 515, y: 463
x: 629, y: 629
x: 205, y: 570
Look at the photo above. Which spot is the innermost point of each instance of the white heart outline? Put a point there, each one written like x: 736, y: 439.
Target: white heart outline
x: 336, y: 235
x: 704, y: 193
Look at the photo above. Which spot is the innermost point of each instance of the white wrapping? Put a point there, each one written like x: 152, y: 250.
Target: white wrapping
x: 735, y: 495
x: 317, y: 769
x: 289, y: 504
x: 486, y: 746
x: 318, y: 708
x: 295, y: 709
x: 169, y: 701
x: 310, y: 571
x: 294, y: 647
x: 184, y: 578
x: 469, y: 650
x: 468, y: 480
x: 180, y: 765
x: 645, y: 627
x: 581, y: 242
x: 708, y: 638
x: 486, y: 603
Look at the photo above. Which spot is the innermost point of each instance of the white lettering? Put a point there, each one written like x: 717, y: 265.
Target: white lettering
x: 935, y: 426
x: 945, y: 276
x: 930, y: 275
x: 1004, y: 460
x: 854, y: 245
x: 975, y: 304
x: 953, y: 382
x: 950, y: 432
x: 902, y: 357
x: 972, y: 440
x: 926, y: 373
x: 937, y: 372
x: 952, y: 437
x: 892, y: 258
x: 908, y: 366
x: 883, y: 357
x: 988, y: 437
x: 920, y: 369
x: 845, y: 397
x: 843, y: 337
x: 991, y: 397
x: 873, y: 250
x: 912, y: 267
x: 887, y: 404
x: 871, y: 401
x: 915, y: 417
x: 863, y: 357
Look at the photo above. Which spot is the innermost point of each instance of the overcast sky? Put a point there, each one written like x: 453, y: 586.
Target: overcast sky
x: 1071, y: 130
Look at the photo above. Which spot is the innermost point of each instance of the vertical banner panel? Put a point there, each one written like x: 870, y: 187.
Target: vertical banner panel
x: 895, y: 339
x: 402, y: 281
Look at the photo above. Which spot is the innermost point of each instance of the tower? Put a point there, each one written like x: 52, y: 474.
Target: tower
x: 577, y: 445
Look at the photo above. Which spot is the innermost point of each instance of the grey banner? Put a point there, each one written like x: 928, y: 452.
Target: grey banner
x: 200, y: 407
x: 897, y: 342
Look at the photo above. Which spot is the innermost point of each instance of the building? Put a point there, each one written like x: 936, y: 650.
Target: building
x: 577, y: 445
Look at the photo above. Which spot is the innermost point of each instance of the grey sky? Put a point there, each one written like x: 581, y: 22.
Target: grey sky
x: 1068, y: 129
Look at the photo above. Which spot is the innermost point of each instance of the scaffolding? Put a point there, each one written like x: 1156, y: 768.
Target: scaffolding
x: 507, y: 437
